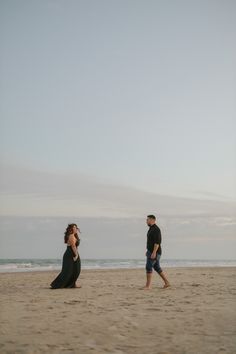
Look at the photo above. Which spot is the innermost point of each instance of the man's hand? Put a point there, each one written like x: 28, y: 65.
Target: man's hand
x: 153, y: 255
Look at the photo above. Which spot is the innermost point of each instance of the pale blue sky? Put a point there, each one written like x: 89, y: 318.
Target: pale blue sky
x: 137, y: 92
x: 118, y: 98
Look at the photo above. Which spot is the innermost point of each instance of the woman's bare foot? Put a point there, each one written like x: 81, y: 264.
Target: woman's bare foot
x: 78, y: 286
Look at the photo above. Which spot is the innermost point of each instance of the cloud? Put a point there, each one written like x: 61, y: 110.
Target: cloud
x: 115, y: 237
x: 29, y: 192
x: 212, y: 196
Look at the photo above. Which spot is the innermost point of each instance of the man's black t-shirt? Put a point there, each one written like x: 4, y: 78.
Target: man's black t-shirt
x: 154, y: 236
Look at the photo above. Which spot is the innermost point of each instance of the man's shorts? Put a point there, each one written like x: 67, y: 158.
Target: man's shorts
x: 153, y: 263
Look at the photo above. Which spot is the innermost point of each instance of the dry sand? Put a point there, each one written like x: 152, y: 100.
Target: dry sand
x: 110, y: 314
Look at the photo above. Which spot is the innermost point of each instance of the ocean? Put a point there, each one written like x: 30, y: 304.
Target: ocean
x: 30, y: 265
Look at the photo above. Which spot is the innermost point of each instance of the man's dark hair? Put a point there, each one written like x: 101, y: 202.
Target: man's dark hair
x: 151, y: 217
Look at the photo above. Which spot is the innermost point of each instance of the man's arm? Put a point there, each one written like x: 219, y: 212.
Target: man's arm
x: 154, y: 253
x: 157, y: 241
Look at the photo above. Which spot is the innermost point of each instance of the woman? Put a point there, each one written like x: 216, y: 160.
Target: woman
x: 71, y: 265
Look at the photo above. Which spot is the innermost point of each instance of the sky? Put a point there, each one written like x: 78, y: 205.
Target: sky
x: 111, y: 110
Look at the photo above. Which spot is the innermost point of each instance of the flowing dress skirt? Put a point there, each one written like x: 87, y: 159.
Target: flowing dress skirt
x: 69, y: 273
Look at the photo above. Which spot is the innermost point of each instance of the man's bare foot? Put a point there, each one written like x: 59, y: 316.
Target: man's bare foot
x: 146, y: 288
x: 167, y: 285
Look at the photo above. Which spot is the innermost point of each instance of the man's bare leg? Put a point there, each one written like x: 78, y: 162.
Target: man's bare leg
x: 163, y: 276
x: 149, y: 281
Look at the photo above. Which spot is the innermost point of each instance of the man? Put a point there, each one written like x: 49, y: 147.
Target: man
x: 153, y: 253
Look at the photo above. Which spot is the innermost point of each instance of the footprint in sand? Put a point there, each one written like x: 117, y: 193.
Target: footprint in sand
x: 119, y: 336
x: 71, y: 302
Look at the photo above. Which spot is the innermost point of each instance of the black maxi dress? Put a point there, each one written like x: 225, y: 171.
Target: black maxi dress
x: 70, y: 270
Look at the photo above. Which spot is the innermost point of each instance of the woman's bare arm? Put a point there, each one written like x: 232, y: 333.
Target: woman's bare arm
x: 72, y: 243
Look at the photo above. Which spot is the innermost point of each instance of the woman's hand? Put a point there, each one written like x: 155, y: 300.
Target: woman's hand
x: 76, y: 257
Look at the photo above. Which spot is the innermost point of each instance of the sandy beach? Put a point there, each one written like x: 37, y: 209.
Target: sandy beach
x: 110, y: 314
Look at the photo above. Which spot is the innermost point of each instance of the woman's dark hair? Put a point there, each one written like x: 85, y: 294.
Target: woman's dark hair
x: 69, y: 231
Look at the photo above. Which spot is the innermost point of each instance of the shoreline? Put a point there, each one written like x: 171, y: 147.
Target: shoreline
x: 117, y: 269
